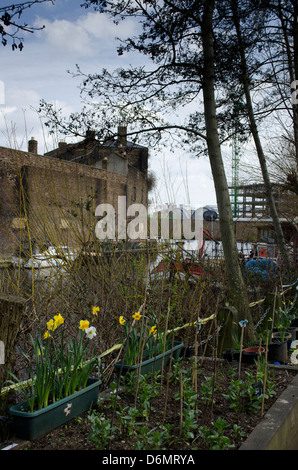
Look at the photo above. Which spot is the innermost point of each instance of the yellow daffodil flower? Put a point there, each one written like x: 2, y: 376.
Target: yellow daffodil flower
x: 51, y: 325
x: 152, y: 330
x: 136, y: 316
x: 121, y: 320
x: 46, y: 335
x: 95, y: 310
x: 59, y: 320
x: 84, y: 324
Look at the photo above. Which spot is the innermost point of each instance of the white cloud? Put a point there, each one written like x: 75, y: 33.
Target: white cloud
x: 65, y: 37
x: 182, y: 179
x: 100, y: 27
x: 89, y: 35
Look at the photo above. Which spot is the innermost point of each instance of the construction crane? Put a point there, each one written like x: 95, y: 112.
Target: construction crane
x: 235, y: 175
x: 236, y: 160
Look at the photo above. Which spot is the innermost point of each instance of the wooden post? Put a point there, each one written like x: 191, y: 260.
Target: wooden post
x: 241, y: 347
x: 181, y: 404
x: 12, y: 309
x: 228, y: 317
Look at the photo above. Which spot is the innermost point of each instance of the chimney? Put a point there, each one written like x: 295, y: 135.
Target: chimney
x: 105, y: 163
x: 122, y: 136
x: 90, y: 134
x: 32, y: 145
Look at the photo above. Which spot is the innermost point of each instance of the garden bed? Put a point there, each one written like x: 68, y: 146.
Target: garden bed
x: 158, y: 426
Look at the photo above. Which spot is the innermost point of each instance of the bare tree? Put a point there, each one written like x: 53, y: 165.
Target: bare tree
x: 10, y: 25
x: 178, y: 37
x: 246, y: 79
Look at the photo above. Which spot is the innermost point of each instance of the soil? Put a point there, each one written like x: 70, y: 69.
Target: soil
x: 74, y: 435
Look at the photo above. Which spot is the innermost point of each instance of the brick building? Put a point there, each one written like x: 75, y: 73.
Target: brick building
x: 54, y: 196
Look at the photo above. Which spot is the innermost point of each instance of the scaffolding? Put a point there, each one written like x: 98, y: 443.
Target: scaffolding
x: 235, y: 176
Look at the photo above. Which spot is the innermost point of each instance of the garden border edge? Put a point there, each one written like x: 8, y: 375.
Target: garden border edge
x: 278, y: 430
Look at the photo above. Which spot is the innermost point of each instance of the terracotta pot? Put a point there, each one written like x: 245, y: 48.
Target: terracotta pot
x: 250, y: 355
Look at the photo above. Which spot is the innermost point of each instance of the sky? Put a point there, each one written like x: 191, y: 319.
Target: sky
x: 75, y: 35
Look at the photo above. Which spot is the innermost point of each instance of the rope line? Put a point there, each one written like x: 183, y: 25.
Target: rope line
x: 202, y: 321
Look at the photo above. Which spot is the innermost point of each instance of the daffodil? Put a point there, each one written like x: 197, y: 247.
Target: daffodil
x: 59, y: 320
x: 152, y: 330
x: 63, y: 365
x: 51, y: 325
x: 136, y: 316
x: 90, y: 332
x: 137, y: 335
x: 95, y: 310
x: 84, y: 324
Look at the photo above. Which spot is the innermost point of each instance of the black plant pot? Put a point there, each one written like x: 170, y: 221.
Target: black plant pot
x: 231, y: 355
x: 189, y: 351
x: 278, y: 352
x: 276, y: 337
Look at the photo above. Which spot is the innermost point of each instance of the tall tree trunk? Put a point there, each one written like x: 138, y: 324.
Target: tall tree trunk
x: 295, y: 105
x: 237, y: 290
x: 261, y: 156
x: 292, y: 60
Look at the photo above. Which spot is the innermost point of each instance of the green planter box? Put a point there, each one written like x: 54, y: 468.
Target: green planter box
x: 153, y: 364
x: 33, y: 425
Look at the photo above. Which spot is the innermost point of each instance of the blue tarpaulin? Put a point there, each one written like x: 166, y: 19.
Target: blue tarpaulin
x: 261, y: 267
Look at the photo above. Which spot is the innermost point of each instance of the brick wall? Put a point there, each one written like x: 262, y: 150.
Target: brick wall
x: 56, y: 194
